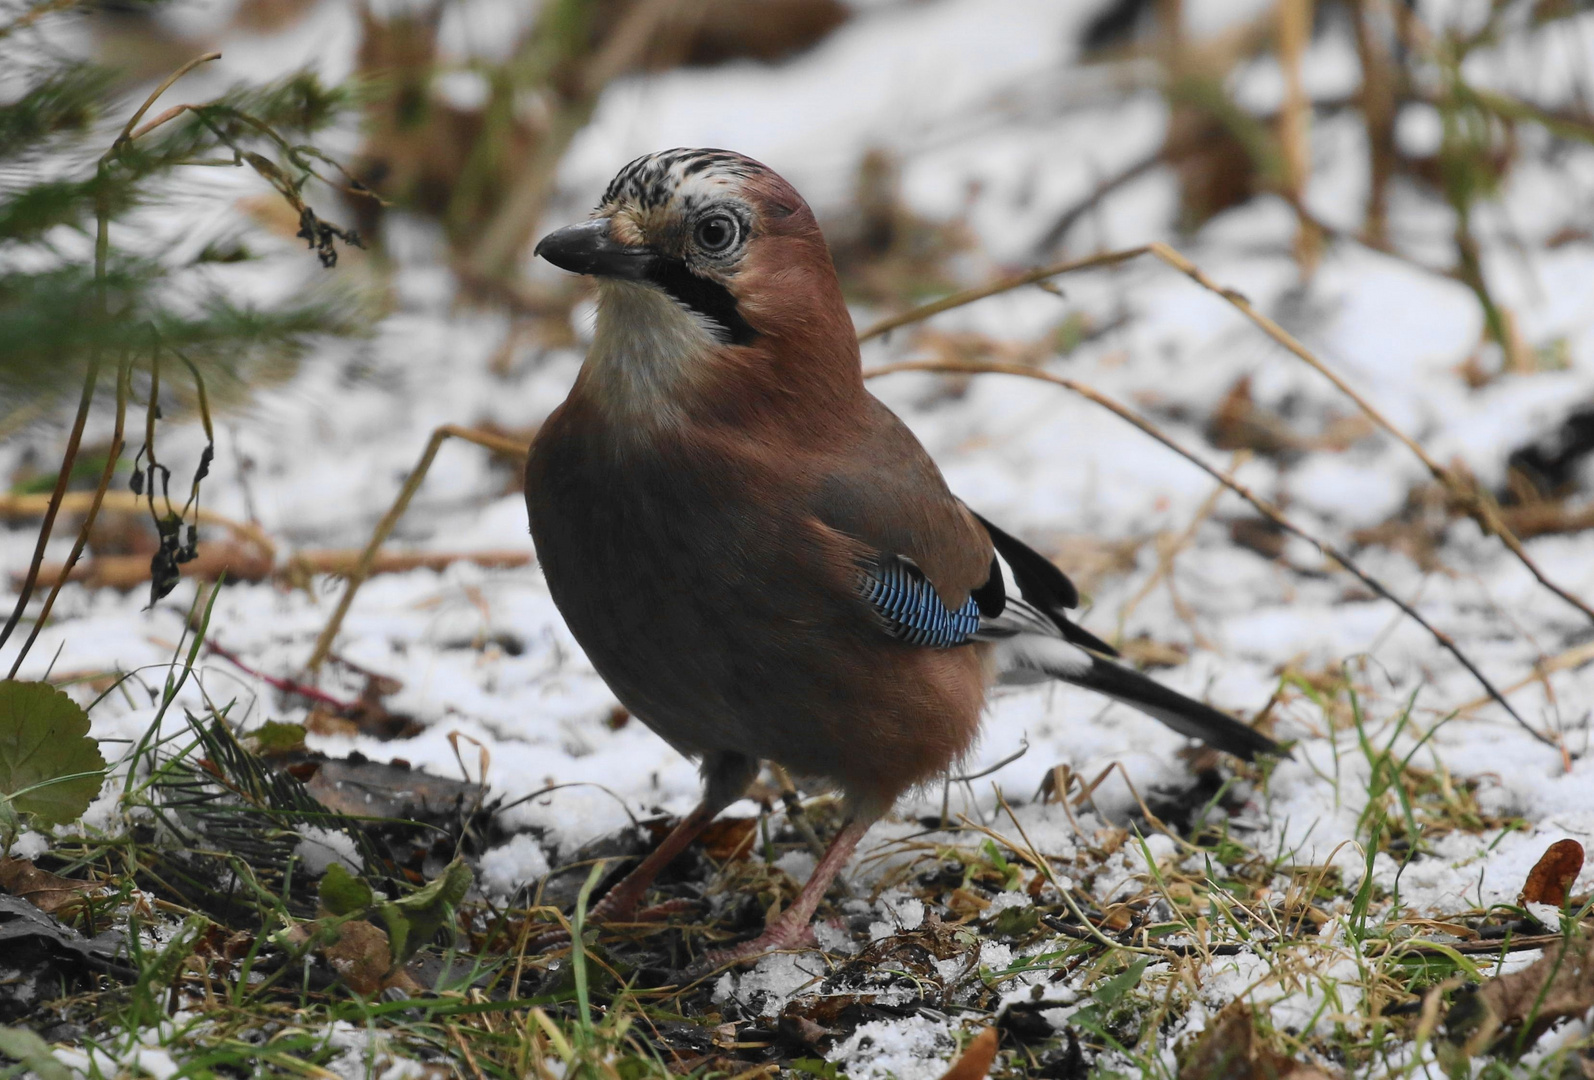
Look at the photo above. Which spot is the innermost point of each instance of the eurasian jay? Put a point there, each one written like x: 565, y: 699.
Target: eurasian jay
x: 757, y: 556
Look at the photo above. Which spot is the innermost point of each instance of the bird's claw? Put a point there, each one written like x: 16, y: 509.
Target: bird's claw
x: 548, y: 940
x: 777, y: 938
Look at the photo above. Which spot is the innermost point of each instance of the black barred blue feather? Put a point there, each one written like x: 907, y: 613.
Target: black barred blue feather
x: 912, y: 610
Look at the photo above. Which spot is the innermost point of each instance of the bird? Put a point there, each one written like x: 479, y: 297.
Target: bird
x: 756, y: 555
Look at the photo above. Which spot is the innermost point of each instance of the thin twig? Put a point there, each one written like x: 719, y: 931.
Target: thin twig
x: 286, y: 686
x: 384, y: 528
x: 1479, y: 948
x: 795, y: 814
x: 124, y: 376
x: 102, y: 247
x: 166, y: 84
x: 1477, y: 504
x: 1572, y: 658
x: 68, y: 459
x: 996, y: 768
x: 1267, y: 509
x: 12, y: 505
x: 1070, y: 217
x: 242, y: 563
x: 1007, y: 284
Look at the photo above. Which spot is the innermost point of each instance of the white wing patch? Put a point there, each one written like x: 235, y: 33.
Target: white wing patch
x: 1029, y: 647
x: 1029, y: 658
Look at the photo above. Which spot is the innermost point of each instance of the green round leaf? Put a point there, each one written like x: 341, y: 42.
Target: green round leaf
x: 342, y: 893
x: 33, y: 1053
x: 45, y: 752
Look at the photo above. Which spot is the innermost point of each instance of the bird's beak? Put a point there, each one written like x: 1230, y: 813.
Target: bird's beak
x: 588, y: 248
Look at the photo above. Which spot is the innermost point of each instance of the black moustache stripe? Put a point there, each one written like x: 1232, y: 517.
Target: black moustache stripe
x: 708, y: 298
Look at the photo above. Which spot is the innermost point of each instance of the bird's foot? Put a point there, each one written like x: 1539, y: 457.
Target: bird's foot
x: 617, y: 906
x: 783, y: 935
x: 548, y: 940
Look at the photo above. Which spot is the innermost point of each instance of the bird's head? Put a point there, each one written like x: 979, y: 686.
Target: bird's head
x: 708, y: 264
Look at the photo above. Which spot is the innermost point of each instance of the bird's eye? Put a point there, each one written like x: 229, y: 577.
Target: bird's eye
x: 716, y: 233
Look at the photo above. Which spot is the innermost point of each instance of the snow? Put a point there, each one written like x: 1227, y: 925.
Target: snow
x: 772, y: 982
x: 507, y: 867
x: 952, y: 87
x: 28, y: 845
x: 912, y: 1049
x: 320, y: 848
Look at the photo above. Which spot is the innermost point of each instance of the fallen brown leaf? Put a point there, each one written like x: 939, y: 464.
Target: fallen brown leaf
x: 361, y: 956
x: 48, y: 892
x: 1239, y: 423
x: 907, y: 948
x: 1552, y: 876
x: 1557, y: 985
x: 1260, y: 535
x: 801, y: 1031
x: 975, y: 1064
x: 730, y: 838
x: 1229, y: 1050
x: 964, y: 903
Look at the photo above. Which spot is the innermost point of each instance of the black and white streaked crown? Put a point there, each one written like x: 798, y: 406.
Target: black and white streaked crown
x: 653, y: 180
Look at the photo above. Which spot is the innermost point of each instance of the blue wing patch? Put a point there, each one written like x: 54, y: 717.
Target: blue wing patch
x: 911, y: 609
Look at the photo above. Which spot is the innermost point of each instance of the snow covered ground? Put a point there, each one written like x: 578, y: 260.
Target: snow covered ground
x: 956, y: 89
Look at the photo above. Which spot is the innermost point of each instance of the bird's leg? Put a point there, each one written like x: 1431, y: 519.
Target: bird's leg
x: 726, y: 777
x: 794, y: 927
x: 621, y: 902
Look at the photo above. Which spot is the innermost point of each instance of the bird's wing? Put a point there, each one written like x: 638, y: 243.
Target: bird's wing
x: 1033, y: 638
x: 885, y: 493
x: 910, y: 609
x: 934, y: 574
x: 1035, y: 595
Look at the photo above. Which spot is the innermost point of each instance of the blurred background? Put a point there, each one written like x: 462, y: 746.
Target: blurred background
x: 268, y: 311
x: 310, y: 252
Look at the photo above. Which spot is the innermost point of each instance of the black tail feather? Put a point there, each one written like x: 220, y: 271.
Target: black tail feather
x: 1185, y: 715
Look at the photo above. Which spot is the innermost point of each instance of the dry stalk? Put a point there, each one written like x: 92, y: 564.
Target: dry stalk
x: 240, y: 563
x: 127, y: 502
x: 1267, y: 509
x: 53, y: 507
x: 384, y: 528
x: 464, y: 1048
x: 1028, y: 852
x: 1378, y: 105
x: 1572, y: 658
x: 124, y: 374
x: 1168, y: 551
x: 1007, y: 284
x: 102, y: 247
x: 1294, y: 28
x: 1477, y: 504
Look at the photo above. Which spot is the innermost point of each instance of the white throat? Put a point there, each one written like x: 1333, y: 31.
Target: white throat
x: 645, y: 348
